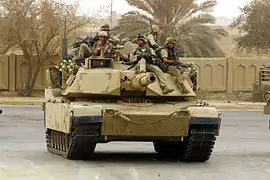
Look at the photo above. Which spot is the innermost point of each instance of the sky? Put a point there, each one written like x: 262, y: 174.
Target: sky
x: 225, y: 8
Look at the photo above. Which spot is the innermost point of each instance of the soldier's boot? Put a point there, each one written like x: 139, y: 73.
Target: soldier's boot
x: 184, y: 89
x: 166, y: 90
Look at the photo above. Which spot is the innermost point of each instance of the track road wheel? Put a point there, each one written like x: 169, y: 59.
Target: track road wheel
x: 79, y: 145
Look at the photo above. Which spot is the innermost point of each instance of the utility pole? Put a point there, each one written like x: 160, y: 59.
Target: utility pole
x: 111, y: 13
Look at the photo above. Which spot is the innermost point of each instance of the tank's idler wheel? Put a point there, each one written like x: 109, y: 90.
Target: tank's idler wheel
x: 266, y: 96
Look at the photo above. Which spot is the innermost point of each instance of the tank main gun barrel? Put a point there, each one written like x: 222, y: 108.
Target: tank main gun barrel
x: 142, y: 80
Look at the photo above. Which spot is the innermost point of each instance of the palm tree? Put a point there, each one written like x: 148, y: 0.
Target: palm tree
x: 186, y: 20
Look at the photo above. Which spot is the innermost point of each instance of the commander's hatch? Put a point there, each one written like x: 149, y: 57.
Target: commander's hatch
x: 94, y: 63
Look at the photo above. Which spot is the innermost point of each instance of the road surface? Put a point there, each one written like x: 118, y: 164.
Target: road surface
x: 242, y: 152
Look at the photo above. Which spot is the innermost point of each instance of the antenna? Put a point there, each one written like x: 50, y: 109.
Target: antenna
x: 63, y: 50
x: 64, y: 40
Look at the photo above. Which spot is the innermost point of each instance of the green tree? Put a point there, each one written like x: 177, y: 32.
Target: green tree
x: 186, y: 20
x: 254, y: 24
x: 36, y: 27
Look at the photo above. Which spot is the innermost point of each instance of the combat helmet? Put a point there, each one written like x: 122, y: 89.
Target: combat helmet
x: 102, y: 34
x: 105, y: 27
x: 170, y: 40
x: 155, y: 29
x: 141, y: 37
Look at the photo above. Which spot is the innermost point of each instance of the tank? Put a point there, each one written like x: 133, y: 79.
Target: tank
x: 100, y: 101
x: 261, y: 87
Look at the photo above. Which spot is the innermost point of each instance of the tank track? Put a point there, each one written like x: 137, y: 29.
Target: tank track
x: 79, y: 145
x: 197, y: 147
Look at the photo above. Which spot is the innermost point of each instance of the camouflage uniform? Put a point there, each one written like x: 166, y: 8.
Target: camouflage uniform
x: 146, y: 63
x: 152, y: 37
x: 85, y: 51
x: 180, y: 73
x: 103, y: 49
x: 105, y: 28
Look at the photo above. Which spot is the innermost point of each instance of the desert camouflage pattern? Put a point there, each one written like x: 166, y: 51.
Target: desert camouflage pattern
x: 101, y: 101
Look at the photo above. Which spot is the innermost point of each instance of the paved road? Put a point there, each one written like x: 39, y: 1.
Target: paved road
x: 242, y: 152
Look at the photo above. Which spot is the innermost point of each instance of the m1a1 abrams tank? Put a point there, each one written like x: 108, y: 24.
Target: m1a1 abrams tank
x: 100, y: 101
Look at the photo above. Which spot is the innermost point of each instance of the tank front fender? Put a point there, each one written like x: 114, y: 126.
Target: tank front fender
x: 205, y: 117
x: 86, y: 115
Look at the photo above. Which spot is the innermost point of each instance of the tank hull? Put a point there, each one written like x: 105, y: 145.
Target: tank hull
x: 73, y: 129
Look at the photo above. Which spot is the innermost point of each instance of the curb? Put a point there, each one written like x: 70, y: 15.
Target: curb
x: 19, y: 103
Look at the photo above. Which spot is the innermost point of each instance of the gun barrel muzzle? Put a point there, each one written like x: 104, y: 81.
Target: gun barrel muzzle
x: 148, y: 79
x: 142, y: 80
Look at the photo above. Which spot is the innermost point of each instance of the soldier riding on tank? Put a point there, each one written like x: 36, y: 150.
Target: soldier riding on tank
x: 102, y: 46
x: 105, y: 28
x: 171, y: 64
x: 152, y: 37
x: 144, y: 57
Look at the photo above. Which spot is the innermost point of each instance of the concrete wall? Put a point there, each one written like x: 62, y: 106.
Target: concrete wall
x: 215, y: 74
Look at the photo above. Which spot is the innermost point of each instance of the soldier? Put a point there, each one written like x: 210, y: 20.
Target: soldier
x: 105, y: 28
x: 143, y: 55
x: 102, y: 46
x: 152, y: 37
x: 170, y: 64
